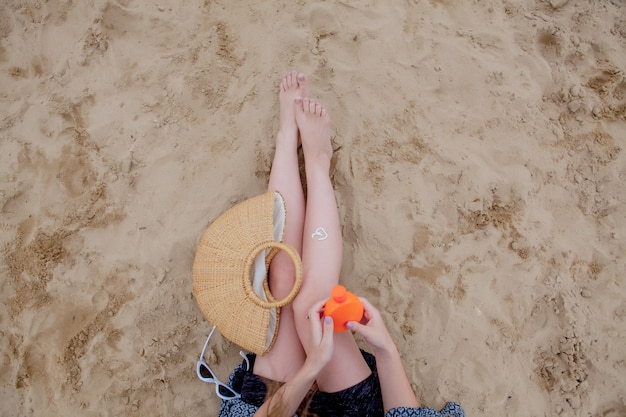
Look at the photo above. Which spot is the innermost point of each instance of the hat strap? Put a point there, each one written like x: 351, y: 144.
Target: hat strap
x: 247, y: 284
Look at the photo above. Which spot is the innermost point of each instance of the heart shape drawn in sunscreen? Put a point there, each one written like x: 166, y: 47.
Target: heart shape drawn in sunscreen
x: 319, y: 234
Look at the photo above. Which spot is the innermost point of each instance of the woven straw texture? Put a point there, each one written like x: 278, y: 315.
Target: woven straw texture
x: 221, y: 274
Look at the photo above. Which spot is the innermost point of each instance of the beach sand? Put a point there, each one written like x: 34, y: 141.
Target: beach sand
x: 479, y: 170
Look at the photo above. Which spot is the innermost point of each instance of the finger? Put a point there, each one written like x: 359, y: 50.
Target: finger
x: 317, y: 308
x: 367, y: 318
x: 369, y: 307
x: 315, y: 320
x: 366, y: 304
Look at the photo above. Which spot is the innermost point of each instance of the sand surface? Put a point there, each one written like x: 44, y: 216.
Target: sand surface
x: 479, y: 169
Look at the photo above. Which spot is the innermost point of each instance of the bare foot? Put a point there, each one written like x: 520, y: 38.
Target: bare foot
x: 292, y: 85
x: 314, y: 124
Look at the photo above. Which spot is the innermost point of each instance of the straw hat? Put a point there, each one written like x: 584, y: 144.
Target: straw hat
x: 230, y: 271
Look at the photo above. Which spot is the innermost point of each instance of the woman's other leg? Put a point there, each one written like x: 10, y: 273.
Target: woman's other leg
x: 322, y: 249
x: 287, y: 355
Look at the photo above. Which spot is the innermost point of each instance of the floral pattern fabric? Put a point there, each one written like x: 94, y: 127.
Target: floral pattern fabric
x: 241, y: 408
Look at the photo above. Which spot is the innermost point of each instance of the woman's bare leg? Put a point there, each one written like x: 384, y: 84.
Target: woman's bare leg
x: 287, y: 355
x: 322, y: 247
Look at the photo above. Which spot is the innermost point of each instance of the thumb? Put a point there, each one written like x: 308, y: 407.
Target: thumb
x: 329, y: 329
x: 359, y: 328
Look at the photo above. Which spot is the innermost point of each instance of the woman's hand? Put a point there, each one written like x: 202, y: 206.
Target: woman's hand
x: 286, y: 400
x: 321, y: 328
x: 372, y: 328
x: 394, y: 384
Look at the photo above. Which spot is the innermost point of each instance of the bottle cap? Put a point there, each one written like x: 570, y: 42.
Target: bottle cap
x: 343, y: 307
x: 339, y: 293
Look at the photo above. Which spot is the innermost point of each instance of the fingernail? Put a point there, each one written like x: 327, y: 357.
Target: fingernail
x: 328, y: 320
x: 301, y: 77
x: 350, y: 325
x: 298, y: 100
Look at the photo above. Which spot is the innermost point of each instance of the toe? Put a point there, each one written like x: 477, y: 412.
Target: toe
x: 303, y: 84
x: 293, y: 81
x: 318, y: 109
x: 313, y: 107
x: 298, y: 104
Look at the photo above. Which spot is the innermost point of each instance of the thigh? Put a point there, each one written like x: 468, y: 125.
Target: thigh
x: 321, y: 261
x: 287, y: 355
x: 347, y: 366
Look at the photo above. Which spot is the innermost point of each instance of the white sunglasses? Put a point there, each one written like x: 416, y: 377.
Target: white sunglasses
x: 206, y: 374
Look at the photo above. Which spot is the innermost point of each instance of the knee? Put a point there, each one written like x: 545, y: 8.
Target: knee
x: 303, y: 303
x: 281, y: 283
x: 301, y: 306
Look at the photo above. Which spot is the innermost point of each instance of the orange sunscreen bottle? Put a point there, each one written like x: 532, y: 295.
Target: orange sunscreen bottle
x: 343, y: 306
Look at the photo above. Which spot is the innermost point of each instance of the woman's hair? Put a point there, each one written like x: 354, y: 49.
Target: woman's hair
x: 276, y: 406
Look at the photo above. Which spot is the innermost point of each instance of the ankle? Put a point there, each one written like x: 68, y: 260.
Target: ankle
x: 287, y: 139
x: 319, y: 168
x: 288, y: 130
